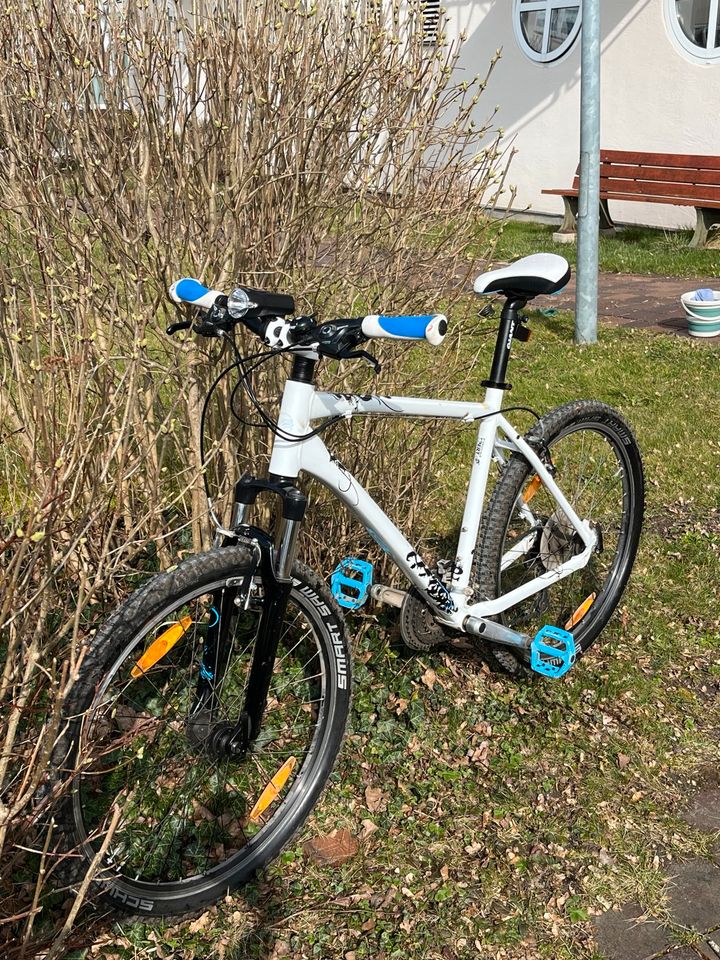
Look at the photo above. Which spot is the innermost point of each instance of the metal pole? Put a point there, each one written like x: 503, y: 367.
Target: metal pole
x: 586, y: 297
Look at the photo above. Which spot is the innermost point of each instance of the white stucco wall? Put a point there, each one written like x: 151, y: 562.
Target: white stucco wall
x: 653, y: 98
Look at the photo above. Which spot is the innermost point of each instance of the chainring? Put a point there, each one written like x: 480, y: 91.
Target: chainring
x: 418, y: 626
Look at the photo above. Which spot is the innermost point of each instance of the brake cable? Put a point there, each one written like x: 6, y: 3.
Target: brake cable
x: 245, y: 382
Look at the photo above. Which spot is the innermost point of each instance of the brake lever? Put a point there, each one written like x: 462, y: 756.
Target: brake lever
x: 177, y: 327
x: 361, y: 355
x: 213, y: 323
x: 206, y: 328
x: 337, y: 342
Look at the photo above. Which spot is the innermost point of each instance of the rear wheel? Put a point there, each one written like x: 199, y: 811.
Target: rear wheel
x: 194, y: 816
x: 599, y: 470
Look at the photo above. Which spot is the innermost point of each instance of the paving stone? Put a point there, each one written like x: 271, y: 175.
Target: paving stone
x: 632, y: 300
x: 685, y: 953
x: 708, y: 950
x: 621, y: 936
x: 694, y: 895
x: 704, y: 809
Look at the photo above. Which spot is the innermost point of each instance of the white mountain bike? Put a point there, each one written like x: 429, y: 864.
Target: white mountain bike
x: 211, y: 706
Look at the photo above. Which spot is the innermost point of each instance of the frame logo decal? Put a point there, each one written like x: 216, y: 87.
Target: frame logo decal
x: 435, y: 589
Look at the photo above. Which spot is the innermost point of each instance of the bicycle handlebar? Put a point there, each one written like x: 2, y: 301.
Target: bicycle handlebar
x: 428, y: 326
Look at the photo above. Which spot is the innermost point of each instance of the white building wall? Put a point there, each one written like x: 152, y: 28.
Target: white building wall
x: 654, y: 97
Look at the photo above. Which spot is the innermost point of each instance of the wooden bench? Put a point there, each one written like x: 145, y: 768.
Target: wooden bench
x: 684, y: 180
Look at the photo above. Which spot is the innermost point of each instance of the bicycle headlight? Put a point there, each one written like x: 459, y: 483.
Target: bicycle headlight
x: 239, y: 303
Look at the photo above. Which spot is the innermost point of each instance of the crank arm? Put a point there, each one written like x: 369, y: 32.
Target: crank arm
x: 490, y: 630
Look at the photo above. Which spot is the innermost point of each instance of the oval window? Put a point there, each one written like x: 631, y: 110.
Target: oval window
x: 546, y: 29
x: 695, y: 25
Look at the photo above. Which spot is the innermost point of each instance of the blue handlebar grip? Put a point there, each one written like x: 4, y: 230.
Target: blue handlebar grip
x: 428, y: 326
x: 193, y: 292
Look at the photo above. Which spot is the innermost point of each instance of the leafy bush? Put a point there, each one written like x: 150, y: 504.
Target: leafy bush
x: 320, y: 149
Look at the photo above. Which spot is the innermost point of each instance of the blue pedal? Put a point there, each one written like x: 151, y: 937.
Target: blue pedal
x: 350, y: 582
x: 552, y: 652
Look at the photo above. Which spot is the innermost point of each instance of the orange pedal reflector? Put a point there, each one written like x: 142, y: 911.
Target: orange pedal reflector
x: 272, y: 790
x: 158, y: 648
x: 532, y: 488
x: 581, y: 611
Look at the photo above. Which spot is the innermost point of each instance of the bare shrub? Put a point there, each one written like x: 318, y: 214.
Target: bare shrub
x: 320, y: 150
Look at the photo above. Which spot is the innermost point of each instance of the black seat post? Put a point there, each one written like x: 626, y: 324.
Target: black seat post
x: 509, y: 318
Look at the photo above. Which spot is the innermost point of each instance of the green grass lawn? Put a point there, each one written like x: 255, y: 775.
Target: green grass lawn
x: 495, y: 817
x: 633, y: 250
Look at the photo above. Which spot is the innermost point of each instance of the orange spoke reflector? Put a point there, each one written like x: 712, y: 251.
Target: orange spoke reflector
x: 158, y: 648
x: 532, y: 488
x: 272, y: 790
x: 581, y: 611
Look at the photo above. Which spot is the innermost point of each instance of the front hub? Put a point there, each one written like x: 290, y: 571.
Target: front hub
x: 220, y: 738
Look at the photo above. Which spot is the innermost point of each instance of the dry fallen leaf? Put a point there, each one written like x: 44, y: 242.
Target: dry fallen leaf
x: 480, y: 753
x: 334, y: 849
x: 429, y: 678
x: 368, y: 828
x: 201, y: 812
x: 197, y: 925
x: 622, y: 760
x: 281, y: 948
x: 374, y: 799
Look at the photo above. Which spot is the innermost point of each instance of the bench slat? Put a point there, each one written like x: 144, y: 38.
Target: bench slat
x: 691, y: 160
x: 704, y: 190
x: 660, y: 174
x: 677, y: 201
x: 691, y: 192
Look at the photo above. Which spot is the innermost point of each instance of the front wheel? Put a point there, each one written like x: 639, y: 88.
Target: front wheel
x: 599, y: 470
x: 192, y: 817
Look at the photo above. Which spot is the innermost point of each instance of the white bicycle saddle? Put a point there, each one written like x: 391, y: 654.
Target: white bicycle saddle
x: 527, y: 277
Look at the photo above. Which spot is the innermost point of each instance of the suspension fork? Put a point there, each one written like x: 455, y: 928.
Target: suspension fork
x: 275, y: 570
x: 277, y: 585
x: 217, y: 645
x: 226, y: 604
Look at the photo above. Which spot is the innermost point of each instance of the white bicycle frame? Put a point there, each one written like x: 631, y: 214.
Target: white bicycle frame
x: 302, y: 404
